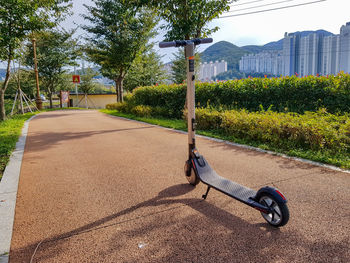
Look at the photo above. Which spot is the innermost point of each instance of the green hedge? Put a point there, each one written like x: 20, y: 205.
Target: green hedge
x: 312, y: 130
x: 315, y: 131
x: 286, y: 94
x: 140, y: 110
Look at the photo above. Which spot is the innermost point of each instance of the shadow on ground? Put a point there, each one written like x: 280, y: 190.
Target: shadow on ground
x: 44, y: 140
x: 211, y: 235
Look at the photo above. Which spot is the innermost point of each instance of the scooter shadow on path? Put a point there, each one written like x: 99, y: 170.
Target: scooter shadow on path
x: 207, y: 209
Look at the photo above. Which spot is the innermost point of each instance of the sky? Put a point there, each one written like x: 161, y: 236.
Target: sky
x: 260, y: 28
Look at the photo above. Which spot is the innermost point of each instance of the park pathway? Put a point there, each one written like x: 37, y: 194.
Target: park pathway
x: 96, y: 188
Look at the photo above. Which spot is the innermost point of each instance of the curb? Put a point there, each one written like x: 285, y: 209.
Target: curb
x: 331, y: 167
x: 8, y: 193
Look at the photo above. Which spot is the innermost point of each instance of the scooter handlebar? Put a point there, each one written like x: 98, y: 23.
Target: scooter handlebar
x: 167, y: 44
x: 202, y: 41
x: 182, y: 43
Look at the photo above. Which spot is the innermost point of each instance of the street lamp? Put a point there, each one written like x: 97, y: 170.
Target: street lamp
x: 39, y: 103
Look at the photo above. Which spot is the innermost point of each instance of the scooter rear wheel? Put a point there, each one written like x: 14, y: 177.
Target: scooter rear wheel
x: 191, y: 176
x: 279, y: 214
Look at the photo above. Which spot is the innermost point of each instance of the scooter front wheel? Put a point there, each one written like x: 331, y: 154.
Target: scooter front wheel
x: 191, y: 176
x: 279, y: 213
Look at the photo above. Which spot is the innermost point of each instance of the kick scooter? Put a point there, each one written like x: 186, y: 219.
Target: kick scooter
x: 269, y: 201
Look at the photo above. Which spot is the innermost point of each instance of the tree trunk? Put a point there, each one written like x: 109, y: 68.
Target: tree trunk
x: 119, y: 88
x: 4, y: 87
x: 50, y: 99
x: 21, y: 101
x: 19, y: 87
x: 2, y: 105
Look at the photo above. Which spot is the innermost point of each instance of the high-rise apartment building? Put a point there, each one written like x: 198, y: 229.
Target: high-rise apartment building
x: 345, y: 48
x: 317, y: 54
x: 330, y: 55
x: 308, y: 55
x: 207, y: 71
x: 264, y: 62
x: 304, y: 55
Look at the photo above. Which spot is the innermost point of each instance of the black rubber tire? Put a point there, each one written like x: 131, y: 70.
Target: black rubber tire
x: 282, y: 210
x: 191, y: 176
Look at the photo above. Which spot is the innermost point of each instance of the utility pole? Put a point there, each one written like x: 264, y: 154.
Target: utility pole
x: 39, y: 103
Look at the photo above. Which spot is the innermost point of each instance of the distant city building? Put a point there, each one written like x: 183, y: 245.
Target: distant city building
x: 168, y: 68
x: 104, y: 81
x: 344, y: 49
x: 208, y: 71
x: 265, y: 62
x: 304, y: 55
x: 331, y: 55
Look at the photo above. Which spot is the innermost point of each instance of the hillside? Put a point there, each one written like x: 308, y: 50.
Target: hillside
x: 224, y: 50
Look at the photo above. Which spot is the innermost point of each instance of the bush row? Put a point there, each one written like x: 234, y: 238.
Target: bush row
x: 140, y: 110
x: 285, y: 94
x: 311, y: 130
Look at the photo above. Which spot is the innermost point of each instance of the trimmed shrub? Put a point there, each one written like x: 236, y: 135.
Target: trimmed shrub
x: 142, y: 111
x: 120, y: 106
x: 312, y: 130
x: 207, y: 119
x: 286, y: 94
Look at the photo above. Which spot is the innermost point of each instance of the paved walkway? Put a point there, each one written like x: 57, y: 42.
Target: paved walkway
x: 95, y: 188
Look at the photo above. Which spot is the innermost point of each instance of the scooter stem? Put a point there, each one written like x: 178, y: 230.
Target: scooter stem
x: 189, y: 54
x: 191, y: 123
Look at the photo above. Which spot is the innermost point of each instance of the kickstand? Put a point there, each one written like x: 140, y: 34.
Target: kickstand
x: 206, y: 193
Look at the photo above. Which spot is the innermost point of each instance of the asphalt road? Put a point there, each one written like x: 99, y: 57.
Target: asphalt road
x: 95, y: 188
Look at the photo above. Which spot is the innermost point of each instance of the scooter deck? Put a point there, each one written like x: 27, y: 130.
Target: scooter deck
x: 209, y: 177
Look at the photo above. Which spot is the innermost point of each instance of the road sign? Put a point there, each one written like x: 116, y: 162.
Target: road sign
x: 76, y: 78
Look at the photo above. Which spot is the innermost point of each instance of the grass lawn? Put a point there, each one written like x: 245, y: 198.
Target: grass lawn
x: 341, y: 159
x: 10, y: 130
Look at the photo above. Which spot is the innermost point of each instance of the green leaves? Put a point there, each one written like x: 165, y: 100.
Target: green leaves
x: 18, y: 18
x: 188, y: 19
x: 87, y: 85
x: 55, y: 51
x: 146, y: 70
x: 287, y: 94
x: 118, y: 33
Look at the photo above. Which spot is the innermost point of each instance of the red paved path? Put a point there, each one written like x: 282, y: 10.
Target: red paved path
x: 95, y: 188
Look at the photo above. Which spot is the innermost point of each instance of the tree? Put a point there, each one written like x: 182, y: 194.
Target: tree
x: 55, y: 51
x: 119, y: 31
x: 187, y: 19
x: 146, y: 70
x: 87, y: 84
x: 26, y: 79
x: 18, y: 18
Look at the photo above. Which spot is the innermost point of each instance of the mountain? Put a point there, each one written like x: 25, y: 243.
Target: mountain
x: 224, y: 50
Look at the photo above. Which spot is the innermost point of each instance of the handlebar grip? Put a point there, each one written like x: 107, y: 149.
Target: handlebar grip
x: 167, y: 44
x: 206, y: 40
x: 199, y: 41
